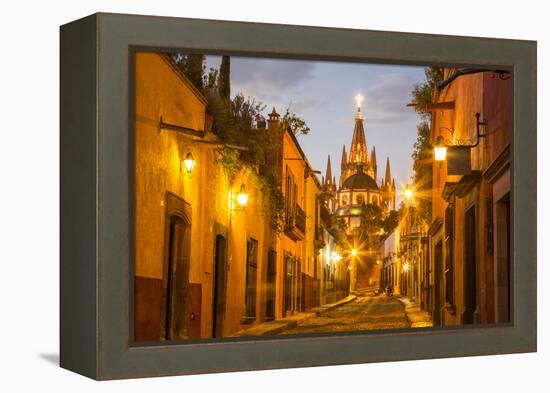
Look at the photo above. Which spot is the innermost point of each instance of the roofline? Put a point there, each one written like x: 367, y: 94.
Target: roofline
x: 302, y: 154
x: 172, y: 64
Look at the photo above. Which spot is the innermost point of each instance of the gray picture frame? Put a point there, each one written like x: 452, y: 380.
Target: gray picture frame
x: 96, y: 204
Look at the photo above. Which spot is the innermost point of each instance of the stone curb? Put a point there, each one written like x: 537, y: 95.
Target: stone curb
x: 280, y: 325
x: 415, y: 316
x: 330, y: 306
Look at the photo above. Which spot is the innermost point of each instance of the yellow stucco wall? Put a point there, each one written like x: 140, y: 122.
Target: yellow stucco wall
x: 158, y: 155
x: 162, y: 91
x: 490, y: 96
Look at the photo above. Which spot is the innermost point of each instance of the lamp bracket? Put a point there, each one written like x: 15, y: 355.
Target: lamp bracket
x: 465, y: 142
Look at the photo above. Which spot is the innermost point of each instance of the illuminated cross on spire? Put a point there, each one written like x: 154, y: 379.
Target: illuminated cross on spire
x: 358, y: 98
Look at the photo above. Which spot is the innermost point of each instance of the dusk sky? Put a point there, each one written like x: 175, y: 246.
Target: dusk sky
x: 322, y: 93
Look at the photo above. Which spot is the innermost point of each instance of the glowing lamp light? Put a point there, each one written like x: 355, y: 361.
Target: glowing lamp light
x: 354, y: 252
x: 189, y: 163
x: 408, y: 192
x: 440, y: 150
x: 378, y: 261
x: 406, y: 267
x: 242, y: 197
x: 335, y: 256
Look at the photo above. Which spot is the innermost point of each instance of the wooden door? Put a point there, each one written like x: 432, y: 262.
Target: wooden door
x: 177, y: 280
x: 220, y: 284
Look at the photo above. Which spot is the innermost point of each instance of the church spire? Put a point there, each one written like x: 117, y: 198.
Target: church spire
x: 328, y: 175
x: 387, y: 179
x: 358, y: 149
x: 373, y: 163
x: 344, y: 159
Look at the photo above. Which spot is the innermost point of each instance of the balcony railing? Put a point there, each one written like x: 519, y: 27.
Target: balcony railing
x: 300, y: 219
x: 295, y: 222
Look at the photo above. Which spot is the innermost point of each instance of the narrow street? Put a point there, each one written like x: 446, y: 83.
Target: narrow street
x: 364, y: 313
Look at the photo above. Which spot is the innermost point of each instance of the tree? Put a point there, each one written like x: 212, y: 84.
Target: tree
x: 422, y: 94
x: 293, y: 123
x: 422, y: 169
x: 192, y: 65
x: 236, y: 124
x: 371, y: 217
x: 210, y: 80
x: 224, y: 84
x: 390, y: 222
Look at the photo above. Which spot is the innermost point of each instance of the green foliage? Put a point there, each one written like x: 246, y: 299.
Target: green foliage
x: 192, y: 65
x: 371, y: 217
x: 210, y: 80
x: 422, y: 93
x: 334, y: 225
x: 293, y: 123
x: 224, y: 87
x: 390, y: 222
x: 422, y: 167
x: 236, y: 124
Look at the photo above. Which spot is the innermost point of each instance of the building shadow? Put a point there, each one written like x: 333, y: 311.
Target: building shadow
x: 52, y: 358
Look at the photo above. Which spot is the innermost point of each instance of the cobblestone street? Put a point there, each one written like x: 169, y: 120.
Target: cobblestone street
x: 365, y: 313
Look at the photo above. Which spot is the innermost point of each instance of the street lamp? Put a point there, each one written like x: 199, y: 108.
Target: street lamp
x: 242, y: 197
x: 189, y: 163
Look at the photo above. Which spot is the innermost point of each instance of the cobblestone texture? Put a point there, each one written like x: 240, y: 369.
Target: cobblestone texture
x: 365, y: 313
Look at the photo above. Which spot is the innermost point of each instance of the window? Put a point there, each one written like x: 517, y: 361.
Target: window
x: 449, y: 239
x: 316, y: 220
x: 251, y: 277
x: 359, y: 199
x: 291, y: 191
x: 290, y: 280
x: 344, y: 200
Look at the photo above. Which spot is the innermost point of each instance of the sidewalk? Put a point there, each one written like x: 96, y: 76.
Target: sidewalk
x: 416, y: 316
x: 280, y: 325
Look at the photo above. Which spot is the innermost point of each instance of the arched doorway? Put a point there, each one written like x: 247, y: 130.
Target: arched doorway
x: 176, y: 269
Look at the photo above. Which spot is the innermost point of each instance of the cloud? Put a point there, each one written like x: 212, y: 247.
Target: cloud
x: 386, y: 100
x: 269, y: 74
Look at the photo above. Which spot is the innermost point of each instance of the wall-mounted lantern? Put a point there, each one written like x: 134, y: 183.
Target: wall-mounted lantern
x: 189, y: 163
x: 242, y: 197
x: 440, y: 150
x: 457, y: 151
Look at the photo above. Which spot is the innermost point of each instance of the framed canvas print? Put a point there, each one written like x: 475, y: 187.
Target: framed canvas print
x: 240, y: 196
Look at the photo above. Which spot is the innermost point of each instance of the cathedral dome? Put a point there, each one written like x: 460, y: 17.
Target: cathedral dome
x: 360, y: 181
